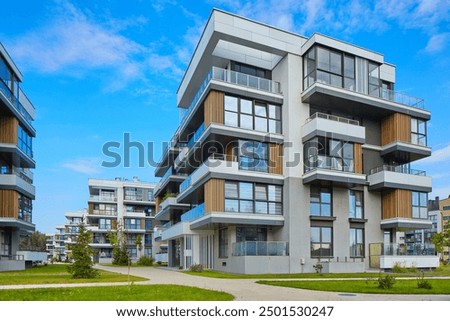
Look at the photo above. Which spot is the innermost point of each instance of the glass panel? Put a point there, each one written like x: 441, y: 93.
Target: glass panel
x: 246, y: 206
x: 326, y: 234
x: 423, y: 199
x: 326, y: 210
x: 415, y: 198
x: 260, y: 110
x: 246, y: 121
x: 323, y: 59
x: 274, y: 193
x: 348, y: 150
x: 231, y: 119
x: 325, y: 195
x: 314, y: 209
x: 315, y: 234
x: 335, y: 147
x: 261, y: 192
x: 261, y: 207
x: 245, y: 190
x: 231, y: 205
x: 231, y: 103
x: 349, y: 67
x: 261, y: 124
x: 336, y: 63
x: 246, y: 106
x: 231, y: 190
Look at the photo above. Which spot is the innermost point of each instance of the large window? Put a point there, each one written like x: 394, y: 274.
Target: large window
x: 251, y: 233
x: 250, y: 70
x: 356, y: 204
x: 25, y: 141
x: 223, y: 243
x: 327, y: 153
x: 250, y: 114
x: 321, y: 242
x: 133, y: 194
x: 419, y: 205
x: 418, y: 132
x: 356, y: 242
x: 104, y: 224
x: 320, y: 201
x: 25, y: 208
x: 253, y: 156
x: 132, y: 224
x: 105, y: 209
x: 247, y: 197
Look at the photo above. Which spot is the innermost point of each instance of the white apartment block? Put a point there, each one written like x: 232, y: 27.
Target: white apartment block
x: 124, y: 205
x: 290, y: 151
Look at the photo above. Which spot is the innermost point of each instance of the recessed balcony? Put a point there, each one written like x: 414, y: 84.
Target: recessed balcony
x: 326, y: 168
x: 397, y: 177
x: 320, y: 124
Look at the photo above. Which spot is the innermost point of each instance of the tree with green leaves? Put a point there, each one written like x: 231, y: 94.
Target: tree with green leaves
x: 82, y: 267
x: 118, y: 242
x: 35, y: 242
x: 442, y: 239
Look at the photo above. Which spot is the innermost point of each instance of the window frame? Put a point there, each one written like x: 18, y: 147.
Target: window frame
x: 321, y: 242
x: 321, y: 204
x: 353, y: 204
x: 357, y: 248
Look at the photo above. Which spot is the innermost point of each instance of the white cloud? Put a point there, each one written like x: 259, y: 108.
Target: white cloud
x: 437, y: 42
x: 438, y: 156
x: 84, y: 165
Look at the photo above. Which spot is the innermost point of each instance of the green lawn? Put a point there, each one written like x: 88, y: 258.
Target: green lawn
x: 57, y: 273
x: 441, y: 286
x: 442, y: 271
x: 158, y: 292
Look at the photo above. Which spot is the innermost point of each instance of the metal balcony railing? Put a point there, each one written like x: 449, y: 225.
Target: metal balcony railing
x: 397, y: 169
x: 261, y: 248
x: 333, y: 118
x: 395, y: 249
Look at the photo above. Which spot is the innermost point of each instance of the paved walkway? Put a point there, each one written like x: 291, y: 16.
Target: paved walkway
x: 242, y: 289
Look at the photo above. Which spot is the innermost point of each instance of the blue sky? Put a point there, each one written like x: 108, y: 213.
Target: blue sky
x: 96, y: 70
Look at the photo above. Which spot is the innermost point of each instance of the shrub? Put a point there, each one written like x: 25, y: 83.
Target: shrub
x: 318, y: 267
x: 196, y: 268
x: 413, y: 269
x: 386, y: 282
x: 397, y: 268
x: 422, y: 283
x: 145, y: 261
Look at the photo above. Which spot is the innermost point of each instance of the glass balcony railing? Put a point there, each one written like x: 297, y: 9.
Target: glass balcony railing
x: 398, y: 169
x: 200, y: 130
x: 331, y: 163
x: 333, y: 118
x: 18, y: 102
x: 194, y: 213
x: 261, y: 248
x: 185, y: 184
x: 394, y: 249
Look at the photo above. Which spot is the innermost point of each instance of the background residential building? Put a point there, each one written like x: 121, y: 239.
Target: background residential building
x: 444, y: 206
x: 16, y: 159
x: 291, y: 151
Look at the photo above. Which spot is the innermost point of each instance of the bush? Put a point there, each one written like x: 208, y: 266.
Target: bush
x: 318, y: 267
x: 413, y: 269
x: 196, y: 268
x: 422, y: 283
x: 397, y: 268
x: 145, y: 261
x: 386, y: 282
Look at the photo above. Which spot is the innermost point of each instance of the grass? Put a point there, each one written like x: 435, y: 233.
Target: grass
x: 441, y: 286
x: 158, y: 292
x: 442, y: 271
x: 57, y: 273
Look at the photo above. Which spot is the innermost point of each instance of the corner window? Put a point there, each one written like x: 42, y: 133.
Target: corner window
x: 419, y: 205
x: 418, y: 132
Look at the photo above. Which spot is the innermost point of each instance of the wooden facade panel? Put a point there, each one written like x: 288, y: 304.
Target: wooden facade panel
x: 91, y: 208
x: 358, y: 157
x: 397, y: 203
x: 9, y: 204
x: 9, y: 130
x: 214, y: 195
x: 157, y: 203
x: 214, y: 108
x: 396, y: 127
x: 276, y: 159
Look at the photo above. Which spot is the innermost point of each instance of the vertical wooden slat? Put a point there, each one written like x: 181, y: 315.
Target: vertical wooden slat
x: 214, y: 110
x: 397, y: 203
x: 91, y: 208
x: 396, y: 127
x: 9, y: 204
x: 276, y: 159
x: 157, y: 202
x: 358, y: 157
x: 9, y: 129
x: 214, y: 195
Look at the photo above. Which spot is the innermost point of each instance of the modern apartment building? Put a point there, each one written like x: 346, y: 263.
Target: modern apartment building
x: 124, y: 206
x: 291, y: 151
x: 16, y: 159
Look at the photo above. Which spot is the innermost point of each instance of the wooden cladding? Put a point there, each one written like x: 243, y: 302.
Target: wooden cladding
x: 90, y: 208
x: 276, y: 159
x: 9, y: 130
x: 358, y: 157
x: 396, y: 127
x: 9, y: 204
x: 397, y: 203
x: 157, y: 203
x: 214, y: 108
x: 214, y: 195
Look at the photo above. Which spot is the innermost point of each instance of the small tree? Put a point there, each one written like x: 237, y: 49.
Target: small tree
x: 119, y: 247
x: 35, y: 242
x: 442, y: 239
x: 82, y: 268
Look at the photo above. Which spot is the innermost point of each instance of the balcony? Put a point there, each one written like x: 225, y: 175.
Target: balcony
x: 22, y: 106
x: 261, y: 248
x: 103, y: 198
x: 214, y: 220
x: 327, y: 168
x: 169, y: 204
x: 406, y: 151
x: 173, y: 231
x: 320, y: 124
x: 16, y: 181
x: 169, y: 176
x: 408, y: 255
x: 321, y: 92
x: 194, y: 213
x: 169, y: 152
x: 398, y: 177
